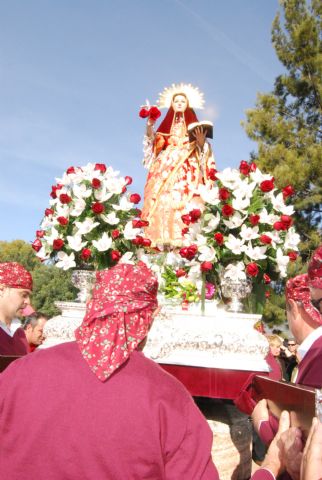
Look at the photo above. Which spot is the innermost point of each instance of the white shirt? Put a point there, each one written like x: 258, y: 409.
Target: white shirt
x: 6, y: 329
x: 308, y: 342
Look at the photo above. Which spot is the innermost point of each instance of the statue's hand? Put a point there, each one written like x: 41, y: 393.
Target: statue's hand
x: 200, y: 136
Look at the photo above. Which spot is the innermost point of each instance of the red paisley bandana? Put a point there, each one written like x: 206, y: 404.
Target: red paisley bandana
x: 297, y: 289
x: 14, y: 275
x: 315, y: 269
x: 118, y: 317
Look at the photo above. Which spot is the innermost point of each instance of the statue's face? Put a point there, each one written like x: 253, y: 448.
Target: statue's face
x: 179, y: 103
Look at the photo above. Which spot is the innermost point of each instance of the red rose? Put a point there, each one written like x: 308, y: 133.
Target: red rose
x: 267, y: 185
x: 36, y: 245
x: 135, y: 198
x: 128, y: 180
x: 206, y: 266
x: 183, y: 252
x: 115, y: 234
x: 287, y: 221
x: 96, y: 183
x: 98, y: 207
x: 186, y: 219
x: 292, y: 256
x: 115, y: 255
x: 279, y: 226
x: 146, y: 242
x: 64, y: 198
x: 267, y: 294
x: 195, y: 214
x: 144, y: 112
x: 219, y: 238
x: 253, y: 167
x: 49, y: 211
x: 70, y: 170
x: 212, y: 174
x: 101, y: 167
x: 58, y: 243
x: 54, y: 189
x: 184, y: 230
x: 62, y: 220
x: 191, y: 251
x: 288, y: 191
x: 86, y: 254
x: 266, y: 278
x: 154, y: 113
x: 252, y: 269
x: 265, y: 239
x: 227, y: 210
x: 254, y: 219
x: 181, y: 272
x: 244, y: 167
x: 40, y: 233
x: 138, y: 240
x: 224, y: 194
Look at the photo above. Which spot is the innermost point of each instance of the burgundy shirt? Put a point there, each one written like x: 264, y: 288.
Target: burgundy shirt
x: 57, y: 420
x: 15, y: 345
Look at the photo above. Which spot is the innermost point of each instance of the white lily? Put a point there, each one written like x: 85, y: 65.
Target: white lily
x: 235, y: 271
x: 207, y: 253
x: 269, y: 218
x: 65, y: 261
x: 62, y: 210
x: 115, y: 185
x: 209, y: 195
x: 211, y: 222
x: 244, y: 189
x: 258, y: 177
x: 249, y: 233
x: 241, y: 204
x: 111, y: 218
x: 173, y: 259
x: 86, y: 226
x: 102, y: 195
x: 230, y: 178
x: 200, y: 241
x: 124, y: 204
x: 51, y: 235
x: 279, y: 204
x: 281, y: 262
x: 292, y: 239
x: 42, y: 253
x: 129, y: 232
x: 104, y: 243
x: 275, y: 236
x: 81, y: 191
x: 255, y: 253
x: 78, y: 207
x: 235, y: 221
x: 75, y: 242
x: 127, y: 258
x: 236, y: 245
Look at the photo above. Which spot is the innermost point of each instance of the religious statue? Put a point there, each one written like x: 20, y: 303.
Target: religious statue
x: 177, y: 162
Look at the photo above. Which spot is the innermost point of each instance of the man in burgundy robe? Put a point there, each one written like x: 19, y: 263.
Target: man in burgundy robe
x: 97, y: 408
x: 15, y: 289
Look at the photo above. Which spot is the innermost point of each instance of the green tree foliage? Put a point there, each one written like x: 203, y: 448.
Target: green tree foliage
x: 287, y: 125
x: 50, y: 283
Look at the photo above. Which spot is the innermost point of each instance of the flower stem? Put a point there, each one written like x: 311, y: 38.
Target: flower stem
x: 203, y: 293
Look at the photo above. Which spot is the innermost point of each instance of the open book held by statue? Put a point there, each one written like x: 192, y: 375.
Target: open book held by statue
x: 176, y: 166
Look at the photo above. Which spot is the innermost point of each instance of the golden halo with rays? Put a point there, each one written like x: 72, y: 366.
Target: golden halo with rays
x: 195, y: 97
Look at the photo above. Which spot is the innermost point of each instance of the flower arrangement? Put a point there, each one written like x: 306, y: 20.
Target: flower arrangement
x: 244, y: 232
x: 92, y: 221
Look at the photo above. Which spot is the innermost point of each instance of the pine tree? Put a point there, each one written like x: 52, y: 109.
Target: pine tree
x: 287, y: 123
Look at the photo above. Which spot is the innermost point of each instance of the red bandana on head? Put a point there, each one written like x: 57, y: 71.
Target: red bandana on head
x: 118, y: 317
x: 315, y: 269
x: 14, y: 275
x: 297, y: 289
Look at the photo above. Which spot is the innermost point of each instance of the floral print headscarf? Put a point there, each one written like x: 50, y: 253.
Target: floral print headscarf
x: 118, y: 317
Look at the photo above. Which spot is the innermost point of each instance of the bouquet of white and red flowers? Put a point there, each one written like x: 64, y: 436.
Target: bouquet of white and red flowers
x: 92, y: 221
x: 245, y: 231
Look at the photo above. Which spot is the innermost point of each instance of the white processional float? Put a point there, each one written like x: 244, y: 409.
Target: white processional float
x: 221, y: 236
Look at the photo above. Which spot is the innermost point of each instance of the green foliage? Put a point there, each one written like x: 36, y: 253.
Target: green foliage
x: 287, y: 125
x: 50, y: 283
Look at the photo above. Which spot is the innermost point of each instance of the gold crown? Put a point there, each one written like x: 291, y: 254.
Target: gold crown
x: 195, y: 97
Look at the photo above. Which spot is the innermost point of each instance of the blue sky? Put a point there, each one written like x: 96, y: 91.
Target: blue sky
x: 73, y: 74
